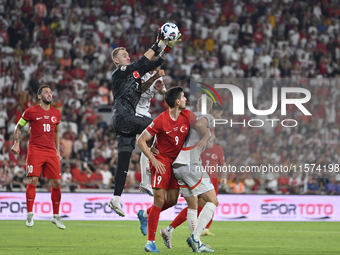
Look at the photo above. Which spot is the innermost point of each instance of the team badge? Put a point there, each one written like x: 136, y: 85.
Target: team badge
x: 183, y: 128
x: 123, y: 68
x: 136, y: 74
x: 54, y: 119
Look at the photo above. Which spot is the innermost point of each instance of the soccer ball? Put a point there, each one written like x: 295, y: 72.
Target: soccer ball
x: 170, y: 31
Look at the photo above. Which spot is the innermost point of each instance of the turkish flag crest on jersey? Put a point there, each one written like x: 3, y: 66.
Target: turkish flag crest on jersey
x: 136, y: 74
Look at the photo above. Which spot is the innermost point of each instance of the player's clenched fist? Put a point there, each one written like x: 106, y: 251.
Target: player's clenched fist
x: 15, y: 148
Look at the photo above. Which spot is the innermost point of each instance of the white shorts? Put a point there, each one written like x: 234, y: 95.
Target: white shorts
x: 192, y: 180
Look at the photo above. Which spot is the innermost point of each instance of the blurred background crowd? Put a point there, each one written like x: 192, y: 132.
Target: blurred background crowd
x: 67, y: 44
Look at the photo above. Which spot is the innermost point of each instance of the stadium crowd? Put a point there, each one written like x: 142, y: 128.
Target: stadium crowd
x: 67, y: 44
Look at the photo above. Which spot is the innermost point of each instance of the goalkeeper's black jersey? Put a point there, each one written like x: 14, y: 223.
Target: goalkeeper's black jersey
x: 127, y: 86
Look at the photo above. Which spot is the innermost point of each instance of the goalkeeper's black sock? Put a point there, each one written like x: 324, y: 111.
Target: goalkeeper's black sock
x: 122, y: 170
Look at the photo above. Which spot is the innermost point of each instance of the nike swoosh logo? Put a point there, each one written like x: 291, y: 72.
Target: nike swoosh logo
x: 168, y: 132
x: 39, y: 118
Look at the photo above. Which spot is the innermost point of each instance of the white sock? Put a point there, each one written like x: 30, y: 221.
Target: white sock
x: 55, y: 215
x: 145, y: 213
x: 148, y: 242
x: 170, y: 229
x: 192, y: 219
x: 144, y: 164
x: 116, y: 198
x: 204, y: 218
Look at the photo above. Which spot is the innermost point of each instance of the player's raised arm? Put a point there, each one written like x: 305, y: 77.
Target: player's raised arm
x: 155, y: 47
x: 142, y: 144
x: 57, y: 141
x: 150, y: 65
x: 17, y: 132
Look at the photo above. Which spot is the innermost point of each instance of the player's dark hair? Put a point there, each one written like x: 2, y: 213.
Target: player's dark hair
x: 217, y: 107
x: 41, y: 88
x: 172, y: 95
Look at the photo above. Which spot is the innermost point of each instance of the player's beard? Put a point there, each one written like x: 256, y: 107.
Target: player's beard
x: 45, y: 101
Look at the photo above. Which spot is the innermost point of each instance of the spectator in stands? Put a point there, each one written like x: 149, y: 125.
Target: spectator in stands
x: 283, y: 182
x: 237, y: 187
x: 295, y: 184
x: 5, y: 177
x: 82, y: 179
x: 271, y: 183
x: 66, y: 176
x: 313, y: 186
x: 332, y: 187
x: 84, y: 154
x: 107, y: 177
x: 249, y: 183
x: 96, y: 179
x: 66, y: 146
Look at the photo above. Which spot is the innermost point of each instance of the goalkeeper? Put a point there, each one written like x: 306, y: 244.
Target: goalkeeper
x: 127, y: 89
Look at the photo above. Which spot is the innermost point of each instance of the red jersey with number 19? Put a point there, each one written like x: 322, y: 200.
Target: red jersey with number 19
x: 171, y: 134
x: 42, y: 126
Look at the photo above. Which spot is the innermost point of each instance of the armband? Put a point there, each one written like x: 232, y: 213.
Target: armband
x: 22, y: 122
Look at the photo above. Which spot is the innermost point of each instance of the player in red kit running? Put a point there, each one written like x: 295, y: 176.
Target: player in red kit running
x: 213, y: 157
x: 43, y: 151
x: 171, y: 128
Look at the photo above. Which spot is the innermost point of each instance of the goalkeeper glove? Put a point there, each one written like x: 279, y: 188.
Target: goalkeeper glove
x: 172, y: 43
x: 159, y: 41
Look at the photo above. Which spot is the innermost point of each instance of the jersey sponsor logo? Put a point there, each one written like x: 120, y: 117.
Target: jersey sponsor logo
x: 39, y: 118
x: 176, y: 128
x: 169, y: 132
x: 54, y: 119
x: 214, y: 156
x: 46, y: 117
x: 136, y: 74
x: 183, y: 128
x: 208, y: 154
x: 123, y: 68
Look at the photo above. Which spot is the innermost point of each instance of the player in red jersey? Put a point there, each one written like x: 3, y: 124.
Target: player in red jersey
x: 171, y: 128
x: 202, y: 190
x: 43, y: 151
x: 213, y: 157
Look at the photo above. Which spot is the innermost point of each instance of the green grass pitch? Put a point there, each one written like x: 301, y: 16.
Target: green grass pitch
x: 124, y: 237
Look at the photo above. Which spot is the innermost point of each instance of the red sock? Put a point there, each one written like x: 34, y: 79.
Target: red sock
x: 199, y: 209
x: 55, y: 197
x: 181, y: 217
x: 209, y: 224
x: 30, y: 196
x: 165, y: 206
x: 153, y: 222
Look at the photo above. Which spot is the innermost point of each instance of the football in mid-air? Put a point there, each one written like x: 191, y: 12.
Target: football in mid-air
x: 170, y: 31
